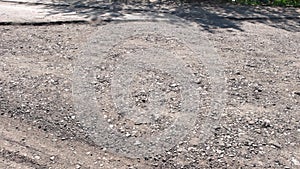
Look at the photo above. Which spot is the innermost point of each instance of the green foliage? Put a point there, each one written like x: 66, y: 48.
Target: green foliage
x: 295, y: 3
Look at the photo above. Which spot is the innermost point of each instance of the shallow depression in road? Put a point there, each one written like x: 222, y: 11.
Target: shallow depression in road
x: 139, y: 91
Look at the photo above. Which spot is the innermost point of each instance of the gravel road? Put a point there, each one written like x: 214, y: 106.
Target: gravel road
x: 73, y: 96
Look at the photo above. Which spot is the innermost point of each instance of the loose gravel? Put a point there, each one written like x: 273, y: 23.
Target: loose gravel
x: 42, y: 128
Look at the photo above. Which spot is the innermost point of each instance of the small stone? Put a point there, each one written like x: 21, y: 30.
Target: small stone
x: 295, y: 161
x: 198, y: 81
x: 138, y: 123
x: 251, y: 122
x: 219, y: 151
x: 174, y: 85
x: 266, y: 123
x: 181, y: 149
x: 275, y: 144
x: 221, y: 143
x: 156, y: 117
x: 194, y: 141
x: 134, y: 132
x: 216, y: 127
x: 52, y: 158
x: 77, y: 166
x: 37, y: 157
x: 137, y: 142
x: 191, y: 149
x: 228, y: 145
x: 257, y: 131
x: 155, y: 164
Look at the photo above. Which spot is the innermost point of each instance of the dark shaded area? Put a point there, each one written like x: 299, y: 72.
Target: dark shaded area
x: 270, y: 2
x: 43, y: 23
x: 18, y: 158
x: 210, y: 15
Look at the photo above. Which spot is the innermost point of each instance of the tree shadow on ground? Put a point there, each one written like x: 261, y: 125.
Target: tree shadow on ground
x: 210, y: 16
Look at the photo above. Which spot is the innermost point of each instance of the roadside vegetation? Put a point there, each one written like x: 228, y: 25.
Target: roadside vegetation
x: 295, y: 3
x: 284, y: 3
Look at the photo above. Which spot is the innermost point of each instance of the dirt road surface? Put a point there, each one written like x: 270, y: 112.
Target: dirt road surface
x: 221, y: 93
